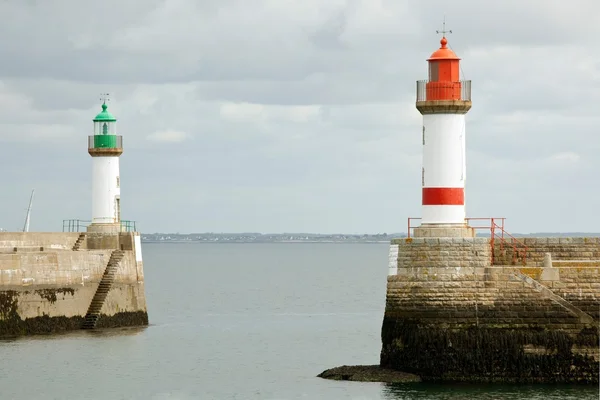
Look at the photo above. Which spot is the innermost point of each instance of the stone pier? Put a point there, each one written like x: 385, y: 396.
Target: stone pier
x: 48, y: 281
x: 467, y: 309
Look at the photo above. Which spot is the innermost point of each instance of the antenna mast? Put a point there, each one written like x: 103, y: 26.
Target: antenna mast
x: 104, y: 97
x: 443, y: 31
x: 26, y: 227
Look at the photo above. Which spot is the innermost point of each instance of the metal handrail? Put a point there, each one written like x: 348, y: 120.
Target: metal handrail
x: 514, y: 243
x: 409, y: 225
x: 467, y: 221
x: 494, y: 227
x: 79, y: 225
x: 489, y: 225
x: 75, y: 225
x: 128, y: 226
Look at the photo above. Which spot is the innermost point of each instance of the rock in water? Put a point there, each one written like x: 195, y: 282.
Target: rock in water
x: 368, y: 373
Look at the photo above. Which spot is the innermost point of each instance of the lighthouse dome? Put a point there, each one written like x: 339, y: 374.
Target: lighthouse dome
x: 443, y: 53
x: 105, y: 115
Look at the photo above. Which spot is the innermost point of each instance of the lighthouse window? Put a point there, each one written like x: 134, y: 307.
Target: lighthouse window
x: 423, y: 135
x: 433, y: 72
x: 118, y: 209
x: 105, y: 129
x: 423, y: 177
x: 118, y: 183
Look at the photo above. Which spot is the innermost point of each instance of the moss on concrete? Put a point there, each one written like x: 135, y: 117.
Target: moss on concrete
x: 473, y: 354
x: 8, y: 305
x: 51, y: 294
x: 15, y: 326
x: 121, y: 319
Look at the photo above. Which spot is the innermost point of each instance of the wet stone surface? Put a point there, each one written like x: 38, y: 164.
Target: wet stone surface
x: 488, y: 354
x: 368, y: 373
x: 14, y: 326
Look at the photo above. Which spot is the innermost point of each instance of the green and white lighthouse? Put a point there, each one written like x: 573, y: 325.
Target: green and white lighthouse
x: 105, y: 147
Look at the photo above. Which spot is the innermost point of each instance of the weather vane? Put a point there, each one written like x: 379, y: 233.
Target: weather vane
x: 444, y: 31
x: 104, y: 97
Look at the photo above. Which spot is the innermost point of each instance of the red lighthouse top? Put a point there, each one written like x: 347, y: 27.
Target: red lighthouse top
x: 444, y: 74
x: 443, y: 91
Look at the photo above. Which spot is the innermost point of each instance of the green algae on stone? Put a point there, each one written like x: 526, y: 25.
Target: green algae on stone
x: 368, y: 373
x: 8, y: 305
x: 487, y: 354
x: 49, y: 325
x: 50, y: 294
x: 121, y: 319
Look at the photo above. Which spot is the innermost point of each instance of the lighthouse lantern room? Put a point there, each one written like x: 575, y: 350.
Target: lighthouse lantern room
x: 444, y: 101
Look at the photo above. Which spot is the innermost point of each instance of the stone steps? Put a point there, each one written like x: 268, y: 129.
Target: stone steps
x: 108, y: 278
x: 78, y: 242
x: 547, y: 293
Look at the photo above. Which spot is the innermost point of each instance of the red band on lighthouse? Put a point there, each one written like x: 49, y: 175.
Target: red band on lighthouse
x: 443, y: 196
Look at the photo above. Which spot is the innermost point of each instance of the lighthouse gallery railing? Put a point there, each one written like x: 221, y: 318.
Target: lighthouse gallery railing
x: 440, y: 89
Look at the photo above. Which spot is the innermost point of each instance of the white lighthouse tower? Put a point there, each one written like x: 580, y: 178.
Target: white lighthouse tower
x: 444, y: 101
x: 105, y: 147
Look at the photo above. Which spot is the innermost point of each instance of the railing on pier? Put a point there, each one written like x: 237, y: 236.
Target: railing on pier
x: 497, y: 233
x: 128, y: 226
x: 411, y: 226
x: 433, y: 90
x: 75, y: 225
x: 79, y: 225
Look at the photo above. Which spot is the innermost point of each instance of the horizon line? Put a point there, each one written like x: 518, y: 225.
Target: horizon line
x: 348, y: 234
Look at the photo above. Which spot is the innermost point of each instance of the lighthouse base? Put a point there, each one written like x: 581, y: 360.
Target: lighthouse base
x: 104, y: 228
x: 444, y: 231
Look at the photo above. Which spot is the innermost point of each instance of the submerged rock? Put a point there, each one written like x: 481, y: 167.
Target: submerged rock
x: 368, y: 373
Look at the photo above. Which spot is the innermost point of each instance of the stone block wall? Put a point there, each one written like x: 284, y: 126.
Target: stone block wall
x: 577, y: 248
x: 452, y: 315
x: 442, y: 252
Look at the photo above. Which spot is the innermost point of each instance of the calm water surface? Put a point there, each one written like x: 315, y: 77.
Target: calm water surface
x: 238, y: 321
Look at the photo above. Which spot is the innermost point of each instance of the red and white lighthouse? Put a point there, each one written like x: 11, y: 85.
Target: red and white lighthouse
x: 444, y: 101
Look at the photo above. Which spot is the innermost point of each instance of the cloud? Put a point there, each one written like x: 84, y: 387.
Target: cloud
x: 568, y: 157
x: 169, y: 136
x: 257, y: 113
x: 296, y: 115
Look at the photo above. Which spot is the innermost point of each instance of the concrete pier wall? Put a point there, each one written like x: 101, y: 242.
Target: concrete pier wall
x: 455, y: 313
x: 50, y: 290
x: 27, y: 240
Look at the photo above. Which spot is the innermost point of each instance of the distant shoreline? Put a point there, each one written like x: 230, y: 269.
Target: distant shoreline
x: 265, y: 241
x: 254, y: 237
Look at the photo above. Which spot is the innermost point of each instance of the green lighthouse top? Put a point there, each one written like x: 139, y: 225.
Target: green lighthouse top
x: 105, y: 116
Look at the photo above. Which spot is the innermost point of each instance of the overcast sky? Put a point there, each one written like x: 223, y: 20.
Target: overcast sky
x: 296, y: 115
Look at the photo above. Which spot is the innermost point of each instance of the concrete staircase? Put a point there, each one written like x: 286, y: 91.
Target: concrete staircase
x: 79, y: 241
x: 93, y: 312
x: 549, y: 294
